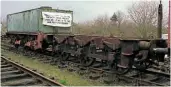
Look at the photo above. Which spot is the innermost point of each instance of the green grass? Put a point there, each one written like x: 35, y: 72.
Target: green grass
x: 63, y: 76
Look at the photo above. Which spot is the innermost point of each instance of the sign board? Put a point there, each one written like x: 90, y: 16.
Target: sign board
x: 57, y: 19
x: 165, y: 36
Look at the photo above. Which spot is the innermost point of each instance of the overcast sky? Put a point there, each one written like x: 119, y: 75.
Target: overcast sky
x: 83, y: 10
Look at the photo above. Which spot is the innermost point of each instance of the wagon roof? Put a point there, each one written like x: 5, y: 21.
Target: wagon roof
x: 40, y: 8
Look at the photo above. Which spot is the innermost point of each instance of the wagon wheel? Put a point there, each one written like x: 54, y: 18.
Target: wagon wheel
x: 121, y: 70
x: 142, y: 62
x: 87, y: 61
x: 142, y: 65
x: 65, y: 56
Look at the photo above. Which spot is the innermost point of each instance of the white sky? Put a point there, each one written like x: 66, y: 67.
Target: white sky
x: 83, y: 10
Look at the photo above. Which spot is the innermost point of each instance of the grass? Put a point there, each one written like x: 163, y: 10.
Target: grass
x: 63, y: 76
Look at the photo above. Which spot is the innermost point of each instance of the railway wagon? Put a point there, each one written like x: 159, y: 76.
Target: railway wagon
x: 44, y: 29
x: 33, y: 25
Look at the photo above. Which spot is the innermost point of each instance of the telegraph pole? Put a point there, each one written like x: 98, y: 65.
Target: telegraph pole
x: 169, y: 23
x: 160, y: 17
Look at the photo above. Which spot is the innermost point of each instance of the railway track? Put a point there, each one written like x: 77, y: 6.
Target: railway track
x: 147, y: 78
x: 13, y: 74
x: 144, y: 78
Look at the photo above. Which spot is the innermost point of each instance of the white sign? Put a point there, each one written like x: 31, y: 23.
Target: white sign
x: 57, y: 19
x: 165, y: 36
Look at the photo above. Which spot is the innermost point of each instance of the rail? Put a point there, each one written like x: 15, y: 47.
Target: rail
x: 34, y: 74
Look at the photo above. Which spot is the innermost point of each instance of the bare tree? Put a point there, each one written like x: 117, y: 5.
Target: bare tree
x: 3, y: 27
x: 165, y: 18
x: 102, y: 23
x: 144, y: 15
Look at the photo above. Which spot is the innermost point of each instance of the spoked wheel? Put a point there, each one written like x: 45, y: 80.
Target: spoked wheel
x: 87, y: 61
x: 65, y: 56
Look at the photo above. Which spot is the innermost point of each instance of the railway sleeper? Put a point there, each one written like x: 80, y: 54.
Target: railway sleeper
x: 11, y: 72
x: 8, y: 69
x: 94, y: 76
x: 21, y: 82
x: 97, y: 65
x: 47, y: 61
x: 166, y: 83
x: 12, y: 77
x: 71, y: 69
x: 161, y: 80
x: 4, y: 66
x: 81, y: 72
x: 3, y: 63
x: 132, y: 73
x: 137, y: 81
x: 109, y: 78
x: 37, y: 84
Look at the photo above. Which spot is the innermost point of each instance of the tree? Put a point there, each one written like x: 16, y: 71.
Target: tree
x: 101, y: 25
x: 120, y: 17
x: 114, y: 19
x: 144, y: 16
x: 3, y: 27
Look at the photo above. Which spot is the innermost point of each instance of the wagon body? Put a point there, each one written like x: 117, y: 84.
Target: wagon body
x: 30, y: 22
